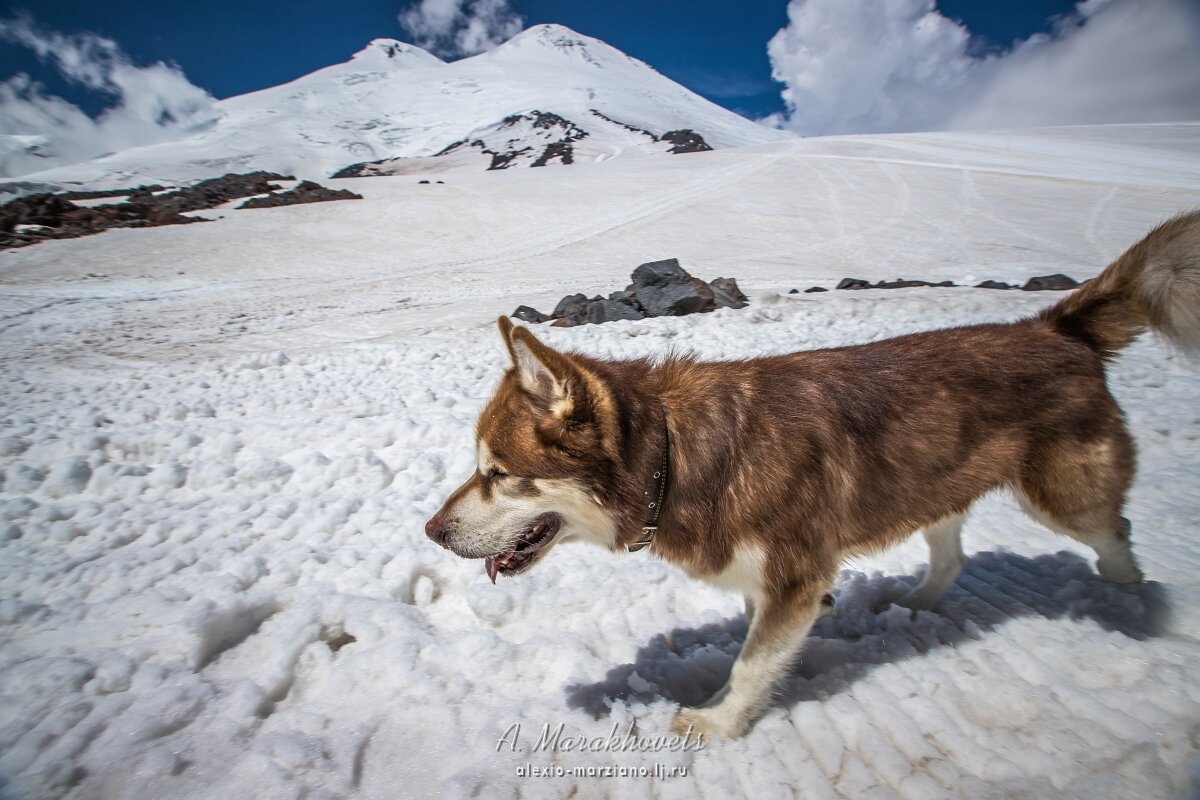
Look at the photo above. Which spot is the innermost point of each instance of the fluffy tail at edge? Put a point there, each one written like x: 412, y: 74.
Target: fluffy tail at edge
x: 1153, y: 285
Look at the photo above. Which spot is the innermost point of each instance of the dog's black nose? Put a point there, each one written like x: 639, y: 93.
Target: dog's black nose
x: 438, y: 530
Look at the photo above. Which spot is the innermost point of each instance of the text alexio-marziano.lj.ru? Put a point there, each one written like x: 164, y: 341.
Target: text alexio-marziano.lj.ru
x: 553, y: 740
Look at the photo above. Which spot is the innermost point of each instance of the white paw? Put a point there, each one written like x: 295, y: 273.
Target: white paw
x: 1119, y: 573
x: 708, y: 722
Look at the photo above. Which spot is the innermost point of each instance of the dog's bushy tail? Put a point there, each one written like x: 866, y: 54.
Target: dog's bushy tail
x: 1153, y: 285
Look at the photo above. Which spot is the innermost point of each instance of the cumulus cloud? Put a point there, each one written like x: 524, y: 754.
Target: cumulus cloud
x: 862, y: 66
x: 149, y: 104
x: 456, y: 28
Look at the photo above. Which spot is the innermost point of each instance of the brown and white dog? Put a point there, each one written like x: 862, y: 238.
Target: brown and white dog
x: 762, y: 475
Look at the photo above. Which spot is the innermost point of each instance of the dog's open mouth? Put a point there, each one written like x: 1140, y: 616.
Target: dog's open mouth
x: 523, y: 551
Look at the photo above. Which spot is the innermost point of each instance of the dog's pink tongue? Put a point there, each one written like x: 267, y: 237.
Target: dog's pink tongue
x: 492, y: 567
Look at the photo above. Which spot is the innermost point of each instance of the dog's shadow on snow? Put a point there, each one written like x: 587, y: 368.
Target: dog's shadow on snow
x: 688, y: 665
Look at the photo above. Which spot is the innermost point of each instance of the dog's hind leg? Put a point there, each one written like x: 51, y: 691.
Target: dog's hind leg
x: 779, y: 625
x: 944, y: 538
x: 1108, y: 535
x: 1079, y: 491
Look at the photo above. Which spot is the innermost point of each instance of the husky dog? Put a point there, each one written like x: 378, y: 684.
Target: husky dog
x: 762, y: 475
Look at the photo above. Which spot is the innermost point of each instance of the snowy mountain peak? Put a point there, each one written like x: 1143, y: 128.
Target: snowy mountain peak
x: 558, y: 40
x: 397, y: 52
x: 548, y: 96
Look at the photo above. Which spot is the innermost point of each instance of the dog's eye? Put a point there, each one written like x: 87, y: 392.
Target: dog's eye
x: 495, y: 472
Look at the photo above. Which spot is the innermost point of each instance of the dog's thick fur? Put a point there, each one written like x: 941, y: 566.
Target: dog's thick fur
x: 781, y: 467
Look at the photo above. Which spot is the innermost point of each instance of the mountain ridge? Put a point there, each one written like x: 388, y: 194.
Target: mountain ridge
x: 394, y: 101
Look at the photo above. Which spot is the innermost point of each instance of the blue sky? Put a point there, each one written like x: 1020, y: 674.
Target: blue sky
x: 715, y: 47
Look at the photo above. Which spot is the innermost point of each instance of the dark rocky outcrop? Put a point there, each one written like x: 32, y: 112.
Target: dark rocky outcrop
x: 530, y: 314
x: 560, y: 150
x: 40, y: 217
x: 94, y: 194
x: 213, y: 192
x: 625, y: 125
x: 53, y: 217
x: 1057, y: 282
x: 726, y: 293
x: 853, y: 283
x: 685, y: 140
x: 1050, y: 283
x: 659, y: 288
x: 305, y: 192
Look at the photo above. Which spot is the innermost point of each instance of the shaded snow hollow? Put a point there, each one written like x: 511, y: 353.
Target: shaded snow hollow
x: 219, y: 443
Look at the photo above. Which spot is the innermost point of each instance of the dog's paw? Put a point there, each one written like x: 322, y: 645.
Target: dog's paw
x: 707, y: 722
x: 1120, y: 572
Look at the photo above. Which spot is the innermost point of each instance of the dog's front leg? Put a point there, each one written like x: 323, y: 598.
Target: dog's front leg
x: 777, y: 630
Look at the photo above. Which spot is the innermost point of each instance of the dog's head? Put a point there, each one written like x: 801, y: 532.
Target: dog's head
x: 545, y: 449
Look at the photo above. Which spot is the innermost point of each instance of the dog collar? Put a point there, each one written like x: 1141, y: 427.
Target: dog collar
x: 654, y: 496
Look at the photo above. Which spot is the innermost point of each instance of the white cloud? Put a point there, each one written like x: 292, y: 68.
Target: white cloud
x: 455, y: 28
x: 860, y: 66
x: 151, y: 104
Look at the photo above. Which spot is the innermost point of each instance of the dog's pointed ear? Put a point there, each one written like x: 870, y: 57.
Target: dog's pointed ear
x: 506, y: 328
x: 549, y: 377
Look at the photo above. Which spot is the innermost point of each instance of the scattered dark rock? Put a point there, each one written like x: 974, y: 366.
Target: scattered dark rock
x: 1056, y: 283
x: 625, y: 125
x: 901, y: 283
x: 504, y: 160
x: 94, y: 194
x: 664, y: 289
x: 560, y: 150
x: 610, y: 310
x: 813, y: 289
x: 572, y: 308
x: 853, y: 283
x: 305, y: 192
x: 659, y: 288
x: 529, y: 314
x: 543, y: 121
x: 726, y: 293
x: 213, y: 192
x: 425, y: 182
x: 53, y: 216
x: 685, y: 140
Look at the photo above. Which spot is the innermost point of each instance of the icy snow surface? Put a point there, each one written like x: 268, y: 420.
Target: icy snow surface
x: 219, y: 443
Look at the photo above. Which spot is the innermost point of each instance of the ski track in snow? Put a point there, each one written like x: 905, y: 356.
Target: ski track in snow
x: 215, y: 581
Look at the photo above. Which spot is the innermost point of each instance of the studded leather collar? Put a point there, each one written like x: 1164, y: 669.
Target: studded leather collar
x: 654, y: 496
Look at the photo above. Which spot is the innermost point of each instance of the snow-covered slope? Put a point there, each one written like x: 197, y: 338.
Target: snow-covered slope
x: 394, y: 100
x: 219, y: 443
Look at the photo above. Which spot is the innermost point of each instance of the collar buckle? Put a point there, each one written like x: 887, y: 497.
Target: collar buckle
x: 643, y: 541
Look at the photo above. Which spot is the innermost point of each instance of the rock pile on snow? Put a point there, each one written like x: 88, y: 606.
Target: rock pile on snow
x: 1056, y: 282
x: 215, y: 191
x: 38, y: 217
x: 306, y: 192
x: 659, y: 289
x: 685, y: 140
